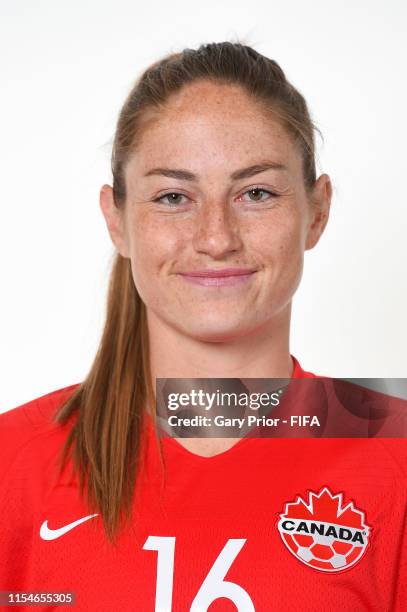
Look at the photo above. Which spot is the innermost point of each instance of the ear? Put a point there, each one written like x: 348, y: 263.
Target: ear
x: 320, y: 203
x: 114, y: 218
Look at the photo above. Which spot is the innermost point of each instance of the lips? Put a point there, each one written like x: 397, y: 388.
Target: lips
x: 219, y: 273
x: 218, y: 277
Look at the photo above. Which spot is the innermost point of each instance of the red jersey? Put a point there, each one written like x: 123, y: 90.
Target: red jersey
x: 270, y: 524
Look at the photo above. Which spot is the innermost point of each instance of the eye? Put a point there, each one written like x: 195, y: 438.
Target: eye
x: 173, y: 198
x: 256, y: 194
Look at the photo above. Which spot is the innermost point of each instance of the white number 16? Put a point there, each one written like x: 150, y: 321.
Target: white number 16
x: 214, y: 585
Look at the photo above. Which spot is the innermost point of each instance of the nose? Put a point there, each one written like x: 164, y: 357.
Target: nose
x: 217, y: 230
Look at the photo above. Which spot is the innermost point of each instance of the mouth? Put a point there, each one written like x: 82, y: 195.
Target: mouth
x: 220, y: 277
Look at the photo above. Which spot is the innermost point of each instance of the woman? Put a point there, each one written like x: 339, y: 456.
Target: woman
x: 214, y: 201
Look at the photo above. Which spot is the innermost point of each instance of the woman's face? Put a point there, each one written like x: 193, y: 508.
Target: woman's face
x: 215, y: 184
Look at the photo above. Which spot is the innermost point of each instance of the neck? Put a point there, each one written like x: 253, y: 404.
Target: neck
x: 262, y: 354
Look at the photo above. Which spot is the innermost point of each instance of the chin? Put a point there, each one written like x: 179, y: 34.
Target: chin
x: 218, y: 331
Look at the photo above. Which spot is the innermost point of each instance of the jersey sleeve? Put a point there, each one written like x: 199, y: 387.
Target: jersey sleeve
x: 18, y: 430
x: 400, y: 604
x: 396, y: 448
x: 28, y: 440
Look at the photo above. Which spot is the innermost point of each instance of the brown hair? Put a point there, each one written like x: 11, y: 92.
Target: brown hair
x: 109, y: 405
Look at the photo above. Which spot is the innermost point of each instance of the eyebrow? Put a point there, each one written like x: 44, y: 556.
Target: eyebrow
x: 185, y: 175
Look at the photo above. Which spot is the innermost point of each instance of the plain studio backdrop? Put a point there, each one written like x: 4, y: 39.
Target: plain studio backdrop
x: 66, y: 69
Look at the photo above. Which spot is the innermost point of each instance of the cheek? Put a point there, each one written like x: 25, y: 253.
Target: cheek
x: 290, y: 248
x: 279, y: 242
x: 290, y: 263
x: 281, y: 251
x: 153, y: 250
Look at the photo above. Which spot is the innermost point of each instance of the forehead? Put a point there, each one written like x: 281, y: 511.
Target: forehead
x: 212, y: 125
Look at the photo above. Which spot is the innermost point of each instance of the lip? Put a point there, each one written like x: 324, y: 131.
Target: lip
x: 218, y: 277
x: 219, y: 272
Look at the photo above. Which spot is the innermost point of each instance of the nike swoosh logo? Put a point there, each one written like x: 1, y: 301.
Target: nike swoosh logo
x: 52, y: 534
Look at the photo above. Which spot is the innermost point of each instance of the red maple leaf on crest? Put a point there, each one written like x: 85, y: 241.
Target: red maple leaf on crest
x: 327, y: 508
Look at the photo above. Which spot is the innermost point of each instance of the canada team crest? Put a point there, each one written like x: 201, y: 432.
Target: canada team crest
x: 323, y: 533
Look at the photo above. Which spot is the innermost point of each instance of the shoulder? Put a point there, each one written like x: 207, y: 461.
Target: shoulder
x: 24, y: 429
x: 396, y: 451
x: 37, y: 414
x: 299, y: 372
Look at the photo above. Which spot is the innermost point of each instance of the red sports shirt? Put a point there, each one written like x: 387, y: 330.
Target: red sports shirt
x: 270, y: 524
